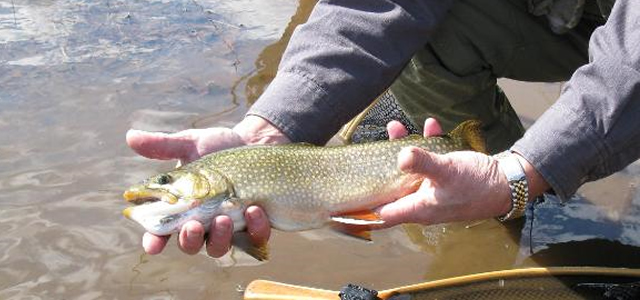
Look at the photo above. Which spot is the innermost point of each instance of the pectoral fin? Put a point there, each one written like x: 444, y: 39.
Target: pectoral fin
x: 356, y: 224
x: 242, y: 242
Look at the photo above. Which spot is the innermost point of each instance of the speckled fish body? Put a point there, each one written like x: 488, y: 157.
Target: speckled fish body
x: 300, y: 186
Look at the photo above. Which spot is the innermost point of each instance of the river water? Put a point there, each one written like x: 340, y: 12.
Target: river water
x: 75, y: 75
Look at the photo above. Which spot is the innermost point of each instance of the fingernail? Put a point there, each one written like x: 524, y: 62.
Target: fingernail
x: 220, y: 228
x: 193, y: 234
x: 255, y: 215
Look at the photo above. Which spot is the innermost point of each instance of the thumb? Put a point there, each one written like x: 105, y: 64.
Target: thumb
x: 419, y: 161
x: 431, y: 127
x: 159, y: 145
x: 396, y: 130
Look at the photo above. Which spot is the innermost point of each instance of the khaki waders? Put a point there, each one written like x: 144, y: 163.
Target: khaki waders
x: 454, y: 77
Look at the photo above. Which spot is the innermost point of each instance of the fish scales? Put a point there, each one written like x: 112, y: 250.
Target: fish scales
x: 316, y: 176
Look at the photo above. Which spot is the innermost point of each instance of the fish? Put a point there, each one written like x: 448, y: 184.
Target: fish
x: 300, y: 186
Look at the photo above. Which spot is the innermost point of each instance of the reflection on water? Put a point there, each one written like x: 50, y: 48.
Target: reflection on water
x: 75, y: 75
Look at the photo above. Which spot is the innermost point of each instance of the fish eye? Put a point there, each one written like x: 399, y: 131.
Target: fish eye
x: 164, y: 179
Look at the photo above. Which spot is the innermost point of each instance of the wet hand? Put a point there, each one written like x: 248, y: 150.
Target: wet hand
x: 456, y: 186
x: 185, y: 146
x: 192, y: 235
x: 189, y: 145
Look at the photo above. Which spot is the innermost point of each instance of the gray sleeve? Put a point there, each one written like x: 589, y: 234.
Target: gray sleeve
x: 346, y: 54
x: 593, y: 130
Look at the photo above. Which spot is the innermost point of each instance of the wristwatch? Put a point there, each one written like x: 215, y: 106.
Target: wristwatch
x: 512, y: 169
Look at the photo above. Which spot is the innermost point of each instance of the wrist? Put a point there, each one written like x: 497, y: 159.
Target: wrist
x: 511, y: 169
x: 254, y: 130
x: 523, y: 181
x: 537, y: 184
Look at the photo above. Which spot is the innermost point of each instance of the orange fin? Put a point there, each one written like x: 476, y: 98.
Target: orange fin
x: 356, y: 224
x: 363, y: 217
x: 361, y: 232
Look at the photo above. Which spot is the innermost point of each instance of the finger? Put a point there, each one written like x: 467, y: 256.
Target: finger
x: 160, y: 145
x: 153, y: 244
x: 408, y: 209
x: 191, y: 237
x: 396, y: 130
x: 257, y: 225
x: 220, y: 235
x: 419, y: 161
x: 432, y: 127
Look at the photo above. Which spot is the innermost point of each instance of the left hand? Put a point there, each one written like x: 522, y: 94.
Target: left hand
x: 189, y: 145
x: 457, y: 186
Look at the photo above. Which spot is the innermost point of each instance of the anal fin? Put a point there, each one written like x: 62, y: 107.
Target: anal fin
x: 356, y: 224
x: 363, y: 217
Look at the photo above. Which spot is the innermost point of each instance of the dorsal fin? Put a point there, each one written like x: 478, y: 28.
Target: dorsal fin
x: 470, y: 131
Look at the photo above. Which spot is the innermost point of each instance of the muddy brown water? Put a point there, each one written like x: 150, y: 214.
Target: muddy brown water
x: 75, y: 75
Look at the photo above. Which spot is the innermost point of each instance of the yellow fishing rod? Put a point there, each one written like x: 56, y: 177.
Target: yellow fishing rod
x: 532, y: 283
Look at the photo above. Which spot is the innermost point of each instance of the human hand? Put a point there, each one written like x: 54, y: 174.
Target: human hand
x: 457, y: 186
x: 189, y: 145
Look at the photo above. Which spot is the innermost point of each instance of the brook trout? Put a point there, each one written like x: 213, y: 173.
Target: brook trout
x: 300, y: 186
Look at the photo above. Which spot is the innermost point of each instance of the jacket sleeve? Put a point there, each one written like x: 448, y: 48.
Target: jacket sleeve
x: 346, y: 54
x: 593, y: 130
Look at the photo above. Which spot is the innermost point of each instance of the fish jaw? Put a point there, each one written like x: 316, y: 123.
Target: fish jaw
x: 152, y: 203
x: 158, y: 217
x: 162, y: 218
x: 156, y: 208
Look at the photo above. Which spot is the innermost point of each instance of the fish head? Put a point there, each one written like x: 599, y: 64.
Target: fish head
x: 164, y: 202
x: 170, y: 187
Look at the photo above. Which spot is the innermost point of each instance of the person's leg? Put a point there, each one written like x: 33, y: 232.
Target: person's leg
x: 453, y: 78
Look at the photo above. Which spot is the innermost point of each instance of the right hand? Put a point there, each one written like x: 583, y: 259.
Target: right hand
x: 189, y: 145
x: 439, y: 199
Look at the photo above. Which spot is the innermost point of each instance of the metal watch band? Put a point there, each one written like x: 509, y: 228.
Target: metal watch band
x: 518, y: 185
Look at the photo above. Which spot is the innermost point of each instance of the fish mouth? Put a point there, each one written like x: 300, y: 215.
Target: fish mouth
x: 134, y: 199
x: 155, y: 216
x: 151, y: 212
x: 138, y: 202
x: 151, y: 205
x: 139, y: 196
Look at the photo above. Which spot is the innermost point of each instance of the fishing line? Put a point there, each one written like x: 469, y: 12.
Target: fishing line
x: 13, y: 7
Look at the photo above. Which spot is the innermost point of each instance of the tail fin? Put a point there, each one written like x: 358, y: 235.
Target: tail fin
x: 471, y: 132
